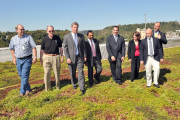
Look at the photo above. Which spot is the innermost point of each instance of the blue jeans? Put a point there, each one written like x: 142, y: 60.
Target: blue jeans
x: 23, y: 67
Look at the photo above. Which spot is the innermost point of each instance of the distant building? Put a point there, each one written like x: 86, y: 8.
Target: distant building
x: 142, y: 32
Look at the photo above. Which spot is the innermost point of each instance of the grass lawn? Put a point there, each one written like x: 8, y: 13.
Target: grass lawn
x: 104, y: 101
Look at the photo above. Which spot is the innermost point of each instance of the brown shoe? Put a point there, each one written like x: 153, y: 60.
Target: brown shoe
x: 27, y: 93
x: 20, y: 95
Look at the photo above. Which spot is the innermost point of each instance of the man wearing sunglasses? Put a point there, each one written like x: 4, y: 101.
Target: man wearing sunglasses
x: 50, y: 46
x: 21, y: 47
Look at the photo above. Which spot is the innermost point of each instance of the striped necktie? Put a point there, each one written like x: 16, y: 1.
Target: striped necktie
x: 150, y: 47
x: 93, y: 50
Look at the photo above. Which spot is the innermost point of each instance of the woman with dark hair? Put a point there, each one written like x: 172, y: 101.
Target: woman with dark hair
x: 133, y: 55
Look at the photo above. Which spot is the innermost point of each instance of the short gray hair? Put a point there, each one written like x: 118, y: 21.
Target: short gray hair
x: 49, y: 26
x: 17, y: 26
x: 74, y: 23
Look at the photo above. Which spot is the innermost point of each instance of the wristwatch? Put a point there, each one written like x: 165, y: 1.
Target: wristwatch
x: 35, y: 57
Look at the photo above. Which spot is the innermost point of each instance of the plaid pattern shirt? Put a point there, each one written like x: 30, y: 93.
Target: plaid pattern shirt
x: 22, y: 45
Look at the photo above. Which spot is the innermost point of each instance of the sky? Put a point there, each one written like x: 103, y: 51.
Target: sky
x: 90, y: 14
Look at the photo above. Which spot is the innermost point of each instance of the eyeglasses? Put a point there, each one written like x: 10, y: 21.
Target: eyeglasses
x: 51, y: 31
x: 22, y: 29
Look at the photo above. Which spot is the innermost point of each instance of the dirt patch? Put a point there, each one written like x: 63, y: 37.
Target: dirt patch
x: 68, y: 93
x: 16, y: 112
x: 171, y: 112
x: 178, y: 89
x: 65, y: 112
x: 97, y: 100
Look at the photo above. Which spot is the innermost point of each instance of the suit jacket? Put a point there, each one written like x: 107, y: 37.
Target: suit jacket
x: 131, y: 49
x: 116, y: 49
x: 163, y: 39
x: 70, y: 47
x: 90, y: 54
x: 158, y: 54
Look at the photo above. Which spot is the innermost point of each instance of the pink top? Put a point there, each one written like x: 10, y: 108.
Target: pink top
x: 137, y: 52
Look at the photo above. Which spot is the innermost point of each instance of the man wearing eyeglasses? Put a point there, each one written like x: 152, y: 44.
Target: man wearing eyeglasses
x: 50, y: 46
x: 21, y: 47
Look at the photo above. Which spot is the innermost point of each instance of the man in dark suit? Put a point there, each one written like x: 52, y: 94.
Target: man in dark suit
x: 160, y: 35
x: 93, y: 57
x: 115, y: 45
x: 150, y: 55
x: 75, y: 53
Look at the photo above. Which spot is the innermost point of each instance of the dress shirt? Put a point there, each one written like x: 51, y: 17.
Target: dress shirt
x: 92, y: 42
x: 115, y: 37
x: 22, y: 45
x: 152, y: 45
x: 77, y: 52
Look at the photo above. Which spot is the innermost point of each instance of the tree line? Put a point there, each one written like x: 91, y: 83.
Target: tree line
x: 101, y: 35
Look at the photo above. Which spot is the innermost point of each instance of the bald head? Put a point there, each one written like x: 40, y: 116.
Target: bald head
x: 148, y: 33
x: 157, y: 26
x: 20, y: 30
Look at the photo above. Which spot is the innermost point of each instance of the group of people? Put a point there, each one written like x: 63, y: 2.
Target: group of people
x: 79, y: 52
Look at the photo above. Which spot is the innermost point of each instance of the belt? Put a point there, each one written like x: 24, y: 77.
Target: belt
x: 26, y: 57
x: 51, y: 54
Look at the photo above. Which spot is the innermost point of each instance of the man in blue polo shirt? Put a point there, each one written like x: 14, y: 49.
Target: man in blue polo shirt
x: 21, y: 47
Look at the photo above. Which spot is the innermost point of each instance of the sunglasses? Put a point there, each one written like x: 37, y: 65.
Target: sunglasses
x: 22, y: 29
x: 51, y: 31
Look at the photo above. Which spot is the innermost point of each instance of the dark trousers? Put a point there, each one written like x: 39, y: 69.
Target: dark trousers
x: 98, y: 68
x: 135, y: 67
x: 116, y: 70
x: 72, y: 69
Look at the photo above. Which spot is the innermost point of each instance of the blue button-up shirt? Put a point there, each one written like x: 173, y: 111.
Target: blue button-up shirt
x: 22, y: 45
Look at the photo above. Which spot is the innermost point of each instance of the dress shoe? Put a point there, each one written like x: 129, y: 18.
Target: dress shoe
x: 119, y: 82
x: 156, y: 85
x: 83, y: 91
x: 74, y: 87
x: 132, y: 80
x: 97, y: 78
x: 91, y: 85
x: 20, y: 95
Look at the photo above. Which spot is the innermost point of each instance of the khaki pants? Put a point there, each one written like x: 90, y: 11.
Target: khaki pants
x: 151, y: 62
x: 54, y: 62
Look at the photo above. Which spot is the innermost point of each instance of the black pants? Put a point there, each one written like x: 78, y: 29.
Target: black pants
x: 116, y: 70
x: 98, y: 68
x: 135, y: 67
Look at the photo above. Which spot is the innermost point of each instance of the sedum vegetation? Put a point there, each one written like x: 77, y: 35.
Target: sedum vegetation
x: 107, y: 100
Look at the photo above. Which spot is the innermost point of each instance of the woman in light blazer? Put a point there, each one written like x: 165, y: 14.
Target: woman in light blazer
x: 133, y: 55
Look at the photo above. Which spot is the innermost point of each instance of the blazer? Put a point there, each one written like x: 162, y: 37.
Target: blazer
x: 131, y: 49
x: 158, y: 54
x: 89, y: 52
x: 70, y: 47
x: 116, y: 49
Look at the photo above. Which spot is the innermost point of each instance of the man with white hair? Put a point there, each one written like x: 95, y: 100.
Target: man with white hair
x: 21, y: 47
x: 150, y: 55
x: 50, y: 46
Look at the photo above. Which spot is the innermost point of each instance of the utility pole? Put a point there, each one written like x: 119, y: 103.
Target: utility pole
x: 145, y: 24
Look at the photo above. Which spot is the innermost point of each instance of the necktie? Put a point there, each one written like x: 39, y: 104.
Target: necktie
x: 93, y: 50
x: 75, y: 41
x: 156, y: 34
x: 150, y: 47
x: 116, y: 38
